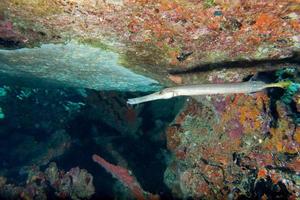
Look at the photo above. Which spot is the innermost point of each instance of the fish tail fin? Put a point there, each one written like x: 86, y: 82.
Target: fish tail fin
x: 281, y: 84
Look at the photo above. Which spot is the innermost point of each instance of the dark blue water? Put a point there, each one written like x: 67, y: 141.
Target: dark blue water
x: 68, y: 126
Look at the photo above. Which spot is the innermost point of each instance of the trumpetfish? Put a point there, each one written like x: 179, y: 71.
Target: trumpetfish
x: 208, y: 89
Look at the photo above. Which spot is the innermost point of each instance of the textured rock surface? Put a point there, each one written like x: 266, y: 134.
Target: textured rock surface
x: 236, y: 145
x: 153, y: 37
x: 75, y: 184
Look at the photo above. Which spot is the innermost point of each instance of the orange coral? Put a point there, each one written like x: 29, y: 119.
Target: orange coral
x: 275, y: 177
x: 251, y: 113
x: 285, y: 137
x: 248, y: 110
x: 280, y: 140
x: 249, y: 118
x: 265, y: 22
x: 262, y: 173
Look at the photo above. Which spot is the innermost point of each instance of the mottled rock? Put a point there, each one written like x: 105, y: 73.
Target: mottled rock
x: 236, y: 145
x: 157, y: 41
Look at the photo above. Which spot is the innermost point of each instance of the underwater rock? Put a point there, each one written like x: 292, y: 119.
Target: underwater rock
x: 70, y: 65
x: 149, y: 44
x: 228, y: 145
x: 33, y: 131
x: 28, y: 152
x: 75, y: 184
x: 113, y: 110
x: 9, y: 38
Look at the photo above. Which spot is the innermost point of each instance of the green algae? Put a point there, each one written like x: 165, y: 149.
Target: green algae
x: 215, y: 56
x: 96, y: 43
x: 39, y: 8
x: 209, y: 3
x: 29, y: 17
x: 262, y: 52
x: 144, y: 54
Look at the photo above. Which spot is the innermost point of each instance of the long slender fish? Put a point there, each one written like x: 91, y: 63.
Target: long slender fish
x: 207, y: 89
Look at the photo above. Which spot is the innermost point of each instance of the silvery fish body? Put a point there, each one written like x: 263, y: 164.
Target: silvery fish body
x: 224, y: 88
x: 203, y: 89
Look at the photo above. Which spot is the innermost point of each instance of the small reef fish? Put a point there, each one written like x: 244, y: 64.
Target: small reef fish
x: 208, y: 89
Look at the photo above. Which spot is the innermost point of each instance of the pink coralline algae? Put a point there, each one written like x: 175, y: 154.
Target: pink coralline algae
x: 9, y: 34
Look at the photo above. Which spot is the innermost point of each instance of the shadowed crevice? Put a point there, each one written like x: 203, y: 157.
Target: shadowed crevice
x: 294, y: 59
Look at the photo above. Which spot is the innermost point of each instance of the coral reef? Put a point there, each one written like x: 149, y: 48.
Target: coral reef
x: 75, y: 184
x: 236, y: 146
